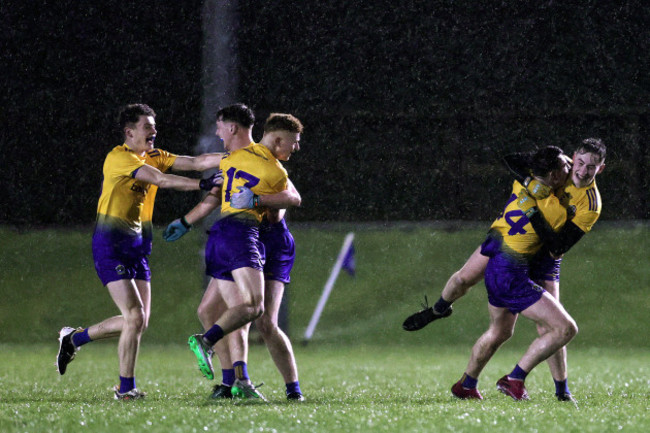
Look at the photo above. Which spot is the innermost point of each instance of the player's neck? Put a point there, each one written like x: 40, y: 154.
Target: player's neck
x: 135, y: 148
x: 240, y: 143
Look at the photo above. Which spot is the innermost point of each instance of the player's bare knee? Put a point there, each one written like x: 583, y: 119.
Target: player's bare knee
x: 253, y: 311
x: 258, y: 311
x: 567, y: 330
x: 504, y: 336
x: 459, y: 280
x: 203, y: 312
x: 501, y: 335
x: 541, y: 330
x: 464, y: 281
x: 498, y: 336
x: 571, y: 330
x: 265, y: 325
x: 135, y: 319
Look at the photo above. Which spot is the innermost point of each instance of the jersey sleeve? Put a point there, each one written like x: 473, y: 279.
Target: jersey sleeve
x: 585, y: 220
x: 122, y: 164
x: 161, y: 159
x: 587, y: 210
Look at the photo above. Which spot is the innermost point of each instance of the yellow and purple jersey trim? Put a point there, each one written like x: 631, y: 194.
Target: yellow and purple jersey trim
x: 513, y: 230
x: 256, y: 168
x: 125, y: 207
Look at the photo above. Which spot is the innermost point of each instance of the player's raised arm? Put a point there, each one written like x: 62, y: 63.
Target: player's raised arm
x: 519, y: 165
x: 152, y: 175
x: 557, y: 243
x: 246, y: 199
x: 276, y: 215
x: 197, y: 163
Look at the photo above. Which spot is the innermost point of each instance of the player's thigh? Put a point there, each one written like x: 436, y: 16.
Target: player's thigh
x: 502, y: 321
x: 474, y: 268
x: 548, y: 312
x: 250, y: 284
x: 125, y: 294
x: 144, y: 289
x: 552, y: 287
x: 213, y: 296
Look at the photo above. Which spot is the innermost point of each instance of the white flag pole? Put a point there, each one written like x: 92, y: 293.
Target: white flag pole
x: 347, y: 243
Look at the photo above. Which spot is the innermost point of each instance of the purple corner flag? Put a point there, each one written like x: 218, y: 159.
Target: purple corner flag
x: 348, y: 261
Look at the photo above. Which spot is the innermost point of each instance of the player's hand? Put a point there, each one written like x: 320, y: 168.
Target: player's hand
x: 537, y: 189
x: 176, y: 229
x: 526, y: 203
x: 215, y: 180
x: 244, y: 199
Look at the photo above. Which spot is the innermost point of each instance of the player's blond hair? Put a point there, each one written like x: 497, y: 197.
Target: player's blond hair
x: 282, y: 122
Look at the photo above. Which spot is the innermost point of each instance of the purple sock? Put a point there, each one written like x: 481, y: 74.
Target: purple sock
x: 213, y: 335
x: 241, y: 371
x: 469, y: 382
x: 562, y: 387
x: 293, y: 387
x: 518, y: 373
x: 126, y: 384
x: 81, y: 338
x: 228, y: 376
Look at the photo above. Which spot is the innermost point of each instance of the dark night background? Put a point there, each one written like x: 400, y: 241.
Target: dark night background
x: 407, y: 105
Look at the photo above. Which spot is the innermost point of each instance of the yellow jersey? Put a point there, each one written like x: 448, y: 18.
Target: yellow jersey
x: 512, y: 227
x: 583, y: 204
x: 256, y: 168
x: 125, y: 207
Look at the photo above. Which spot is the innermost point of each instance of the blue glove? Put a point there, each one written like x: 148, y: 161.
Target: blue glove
x: 244, y: 199
x: 176, y: 229
x: 214, y: 180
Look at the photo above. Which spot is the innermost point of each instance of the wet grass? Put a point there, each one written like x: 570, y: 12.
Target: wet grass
x: 360, y: 372
x: 348, y: 388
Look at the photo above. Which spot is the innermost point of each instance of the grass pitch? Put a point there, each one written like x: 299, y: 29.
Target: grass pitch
x: 360, y: 372
x: 352, y: 388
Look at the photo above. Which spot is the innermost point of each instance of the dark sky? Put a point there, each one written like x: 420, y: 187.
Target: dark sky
x: 417, y: 96
x: 68, y: 66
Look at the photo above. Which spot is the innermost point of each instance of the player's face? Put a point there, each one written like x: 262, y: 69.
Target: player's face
x: 226, y: 132
x: 286, y: 143
x: 143, y: 134
x: 585, y: 168
x: 561, y: 175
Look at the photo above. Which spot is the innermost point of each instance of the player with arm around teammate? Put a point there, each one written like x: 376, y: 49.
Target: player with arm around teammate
x: 234, y: 127
x: 234, y: 253
x: 582, y: 199
x: 511, y: 245
x: 122, y: 238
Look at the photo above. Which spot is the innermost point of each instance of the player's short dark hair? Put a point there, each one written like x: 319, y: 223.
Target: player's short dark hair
x: 237, y: 113
x: 131, y: 114
x: 593, y: 145
x: 282, y: 122
x: 545, y: 160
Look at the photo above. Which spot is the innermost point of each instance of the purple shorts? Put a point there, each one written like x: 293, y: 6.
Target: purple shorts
x: 127, y: 268
x: 232, y: 244
x: 509, y: 285
x: 543, y: 267
x: 280, y: 251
